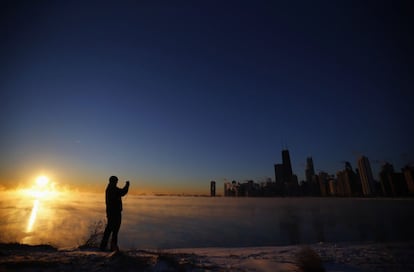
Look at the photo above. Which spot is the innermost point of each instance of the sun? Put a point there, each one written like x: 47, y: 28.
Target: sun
x: 42, y: 188
x: 42, y: 181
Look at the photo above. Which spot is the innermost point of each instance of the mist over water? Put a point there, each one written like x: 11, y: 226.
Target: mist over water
x: 63, y: 221
x: 176, y: 222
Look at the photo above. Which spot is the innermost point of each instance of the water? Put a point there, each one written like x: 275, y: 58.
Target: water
x: 178, y: 222
x: 238, y: 222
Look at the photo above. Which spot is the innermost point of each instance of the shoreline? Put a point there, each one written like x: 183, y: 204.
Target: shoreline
x: 391, y: 256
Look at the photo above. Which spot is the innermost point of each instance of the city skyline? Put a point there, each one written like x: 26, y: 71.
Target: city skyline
x: 173, y: 95
x: 344, y: 183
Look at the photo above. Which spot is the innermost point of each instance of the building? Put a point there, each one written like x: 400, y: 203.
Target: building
x: 288, y: 173
x: 212, y: 188
x: 231, y: 188
x: 248, y: 188
x: 343, y: 185
x: 279, y: 182
x: 323, y: 180
x: 408, y: 172
x: 279, y: 173
x: 387, y: 170
x: 348, y: 183
x: 310, y: 170
x: 286, y: 182
x: 311, y: 185
x: 332, y: 187
x: 392, y: 183
x: 365, y: 173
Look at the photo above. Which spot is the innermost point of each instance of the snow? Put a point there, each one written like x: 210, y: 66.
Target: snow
x: 328, y: 257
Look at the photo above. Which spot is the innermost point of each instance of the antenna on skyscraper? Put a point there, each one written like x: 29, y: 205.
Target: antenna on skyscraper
x: 284, y: 144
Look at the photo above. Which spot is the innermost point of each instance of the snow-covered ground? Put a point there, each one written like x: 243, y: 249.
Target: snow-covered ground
x: 316, y: 257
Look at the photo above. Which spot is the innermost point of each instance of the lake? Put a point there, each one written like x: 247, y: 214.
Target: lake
x: 185, y: 222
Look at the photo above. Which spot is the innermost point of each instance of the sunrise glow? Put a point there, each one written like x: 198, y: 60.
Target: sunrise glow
x: 42, y: 190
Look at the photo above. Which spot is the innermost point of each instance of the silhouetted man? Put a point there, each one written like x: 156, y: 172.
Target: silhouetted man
x: 113, y: 201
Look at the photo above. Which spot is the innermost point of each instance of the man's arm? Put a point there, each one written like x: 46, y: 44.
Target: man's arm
x: 124, y: 190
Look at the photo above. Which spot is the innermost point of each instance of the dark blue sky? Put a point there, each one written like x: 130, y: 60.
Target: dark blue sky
x: 173, y: 95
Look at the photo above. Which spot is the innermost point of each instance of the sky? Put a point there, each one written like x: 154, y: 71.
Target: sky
x: 173, y: 94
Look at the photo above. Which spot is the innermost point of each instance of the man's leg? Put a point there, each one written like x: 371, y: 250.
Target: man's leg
x: 115, y: 230
x: 107, y: 232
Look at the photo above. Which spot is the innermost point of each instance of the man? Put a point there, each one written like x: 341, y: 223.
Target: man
x: 113, y: 201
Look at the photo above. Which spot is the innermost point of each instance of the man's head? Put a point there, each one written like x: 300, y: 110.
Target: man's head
x: 113, y: 179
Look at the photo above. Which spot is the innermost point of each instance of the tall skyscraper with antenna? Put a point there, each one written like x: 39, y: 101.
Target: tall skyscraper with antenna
x: 287, y: 165
x: 286, y: 182
x: 310, y: 170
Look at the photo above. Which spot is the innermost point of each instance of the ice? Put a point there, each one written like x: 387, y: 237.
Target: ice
x: 334, y: 257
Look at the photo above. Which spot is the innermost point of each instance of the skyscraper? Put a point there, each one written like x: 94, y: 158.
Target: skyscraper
x: 310, y: 170
x: 213, y: 188
x: 349, y: 180
x: 408, y: 172
x: 286, y: 182
x: 343, y: 184
x: 288, y: 173
x: 365, y: 172
x: 279, y: 173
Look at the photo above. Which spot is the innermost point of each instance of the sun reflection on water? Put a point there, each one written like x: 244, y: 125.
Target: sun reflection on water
x: 33, y: 215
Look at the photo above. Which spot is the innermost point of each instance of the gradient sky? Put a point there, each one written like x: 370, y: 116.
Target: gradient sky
x: 172, y: 95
